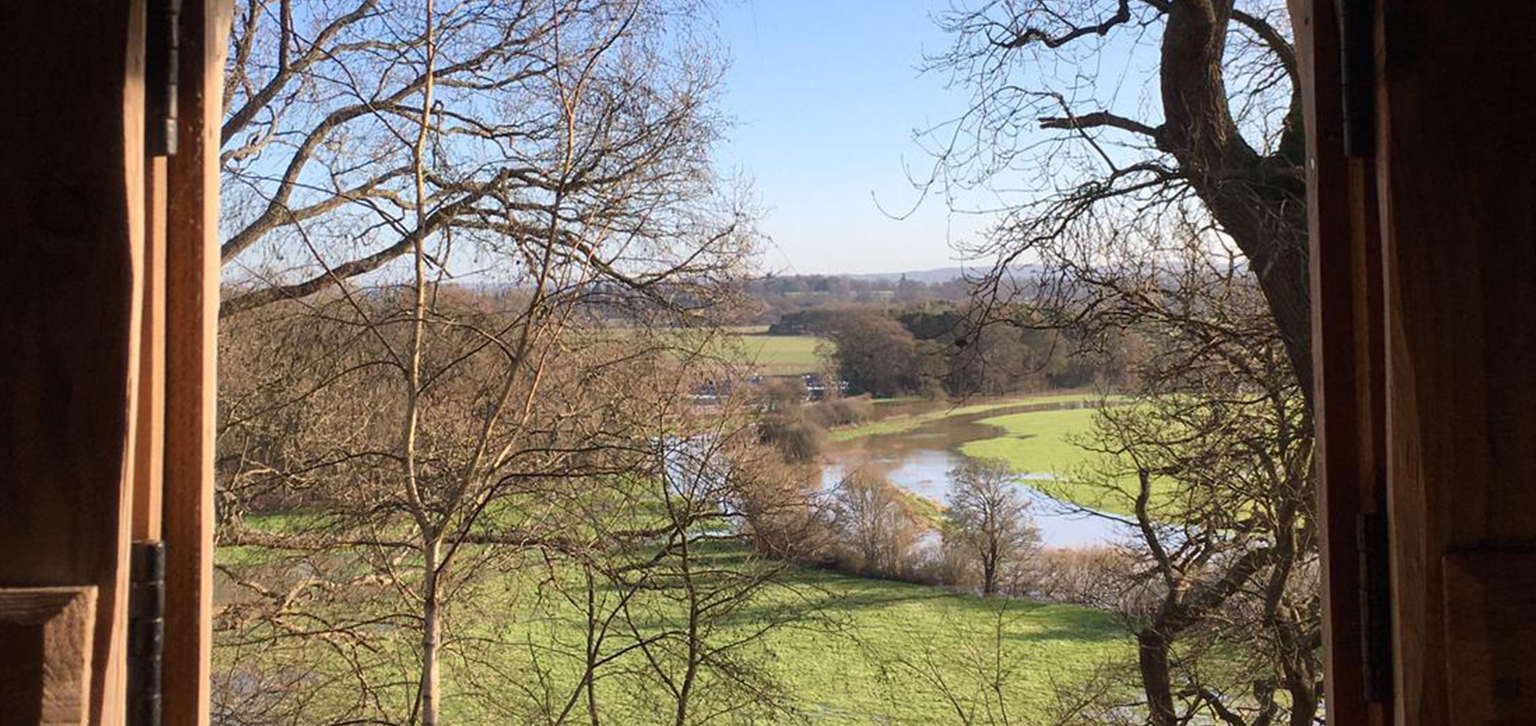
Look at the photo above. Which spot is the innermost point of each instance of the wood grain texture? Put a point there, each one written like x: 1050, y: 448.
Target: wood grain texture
x: 1490, y: 629
x: 1347, y: 355
x: 149, y: 426
x: 45, y: 634
x: 71, y: 195
x: 192, y: 300
x: 1458, y: 206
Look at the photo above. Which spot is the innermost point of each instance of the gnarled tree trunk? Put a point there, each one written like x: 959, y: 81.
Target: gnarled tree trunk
x: 1259, y: 200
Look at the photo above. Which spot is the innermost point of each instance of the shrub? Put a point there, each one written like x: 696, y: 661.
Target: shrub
x: 1093, y: 577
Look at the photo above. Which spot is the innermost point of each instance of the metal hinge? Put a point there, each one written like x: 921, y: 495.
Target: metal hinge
x: 1357, y: 74
x: 161, y: 46
x: 1376, y: 607
x: 146, y: 632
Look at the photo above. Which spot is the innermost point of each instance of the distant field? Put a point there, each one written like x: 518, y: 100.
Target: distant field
x: 782, y: 355
x: 1040, y: 443
x: 772, y: 355
x: 1035, y: 442
x: 778, y: 355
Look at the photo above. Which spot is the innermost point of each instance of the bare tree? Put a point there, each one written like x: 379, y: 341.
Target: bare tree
x: 1213, y: 458
x: 988, y: 517
x: 873, y: 521
x: 702, y: 658
x: 1227, y: 148
x: 564, y: 147
x: 678, y: 610
x: 541, y: 113
x: 636, y: 507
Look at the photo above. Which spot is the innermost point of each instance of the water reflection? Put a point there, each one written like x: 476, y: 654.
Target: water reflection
x: 919, y: 461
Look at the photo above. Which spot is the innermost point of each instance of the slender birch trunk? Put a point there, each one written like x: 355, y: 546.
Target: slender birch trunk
x: 429, y: 696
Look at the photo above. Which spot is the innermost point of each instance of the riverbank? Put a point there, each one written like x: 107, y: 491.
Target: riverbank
x: 915, y: 413
x: 1035, y: 436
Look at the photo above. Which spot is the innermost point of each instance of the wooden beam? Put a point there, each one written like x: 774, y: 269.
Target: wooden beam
x: 1347, y: 357
x: 45, y: 676
x: 149, y: 428
x: 1458, y: 206
x: 191, y: 316
x: 72, y: 197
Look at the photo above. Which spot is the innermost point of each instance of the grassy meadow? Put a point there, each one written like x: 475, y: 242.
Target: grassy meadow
x: 778, y: 355
x: 848, y: 662
x: 859, y: 651
x: 861, y: 673
x: 1041, y: 443
x: 770, y: 355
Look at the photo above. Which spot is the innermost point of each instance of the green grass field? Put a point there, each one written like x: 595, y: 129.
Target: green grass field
x: 1036, y: 442
x: 1041, y: 442
x: 780, y: 355
x: 771, y: 355
x: 861, y: 674
x: 847, y: 664
x: 845, y: 660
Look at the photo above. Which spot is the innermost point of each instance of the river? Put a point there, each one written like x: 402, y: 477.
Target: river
x: 919, y: 461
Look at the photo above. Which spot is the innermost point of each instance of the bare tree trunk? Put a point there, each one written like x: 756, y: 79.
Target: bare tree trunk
x: 1303, y: 703
x: 989, y: 574
x: 1152, y: 660
x: 1259, y: 200
x: 431, y: 624
x: 431, y: 631
x: 691, y: 674
x: 589, y: 677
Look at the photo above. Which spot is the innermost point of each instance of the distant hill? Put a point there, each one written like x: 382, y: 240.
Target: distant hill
x: 939, y: 274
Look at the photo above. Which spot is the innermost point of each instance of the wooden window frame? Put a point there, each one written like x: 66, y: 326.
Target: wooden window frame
x: 111, y: 281
x: 112, y: 284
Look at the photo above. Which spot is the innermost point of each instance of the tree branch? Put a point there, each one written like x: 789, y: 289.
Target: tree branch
x: 1101, y: 119
x: 353, y: 268
x: 1030, y: 35
x: 1272, y: 38
x: 285, y: 72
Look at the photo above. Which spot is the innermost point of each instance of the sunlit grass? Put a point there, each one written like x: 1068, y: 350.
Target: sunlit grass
x: 854, y: 677
x: 1047, y: 444
x: 840, y: 664
x: 779, y: 355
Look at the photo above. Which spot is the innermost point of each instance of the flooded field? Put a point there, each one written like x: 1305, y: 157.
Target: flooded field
x: 919, y: 460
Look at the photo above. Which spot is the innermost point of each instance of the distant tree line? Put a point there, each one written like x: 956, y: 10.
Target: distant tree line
x: 777, y: 297
x: 940, y: 348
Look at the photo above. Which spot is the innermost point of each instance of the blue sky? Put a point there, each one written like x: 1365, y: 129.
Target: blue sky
x: 826, y: 94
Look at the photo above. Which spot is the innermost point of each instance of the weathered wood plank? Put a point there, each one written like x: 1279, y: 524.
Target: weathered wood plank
x: 1490, y: 629
x: 45, y: 634
x: 149, y: 428
x: 1347, y: 355
x: 72, y: 197
x: 192, y: 301
x: 1459, y: 242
